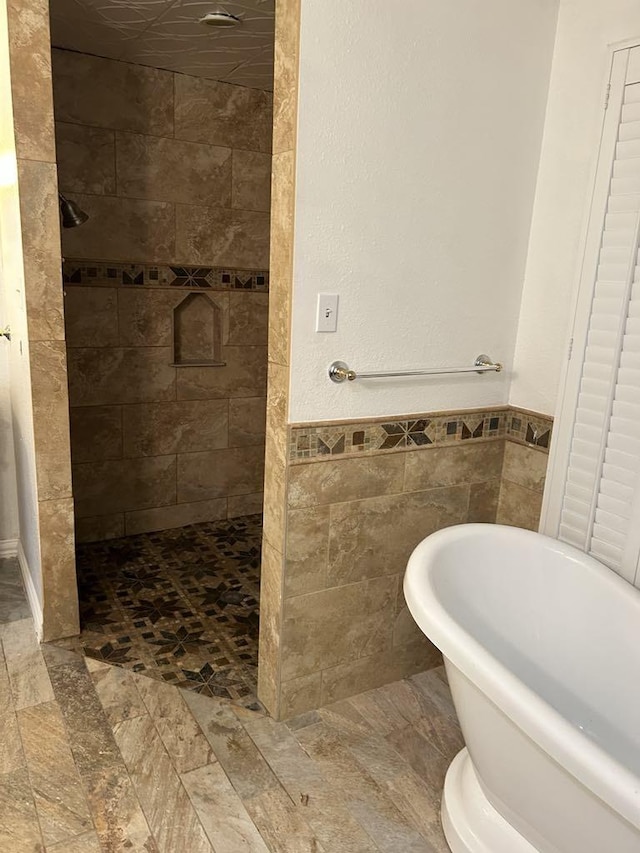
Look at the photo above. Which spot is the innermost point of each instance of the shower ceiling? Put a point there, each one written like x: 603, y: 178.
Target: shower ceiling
x: 167, y: 34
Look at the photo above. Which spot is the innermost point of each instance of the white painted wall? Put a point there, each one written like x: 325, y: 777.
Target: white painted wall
x: 8, y: 497
x: 14, y: 301
x: 567, y: 167
x: 420, y: 124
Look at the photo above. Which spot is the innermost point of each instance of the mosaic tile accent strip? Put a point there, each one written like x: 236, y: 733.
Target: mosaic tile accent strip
x: 529, y: 428
x: 310, y: 441
x: 180, y: 605
x: 107, y: 274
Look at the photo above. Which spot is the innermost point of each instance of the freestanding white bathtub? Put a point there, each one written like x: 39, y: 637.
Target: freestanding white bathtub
x: 542, y: 650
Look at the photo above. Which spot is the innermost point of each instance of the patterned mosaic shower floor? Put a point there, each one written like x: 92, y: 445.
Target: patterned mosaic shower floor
x: 180, y: 605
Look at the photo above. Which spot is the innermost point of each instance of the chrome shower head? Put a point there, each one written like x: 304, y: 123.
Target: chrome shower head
x: 72, y: 214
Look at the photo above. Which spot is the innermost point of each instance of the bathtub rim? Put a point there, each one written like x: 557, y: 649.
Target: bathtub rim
x: 613, y: 782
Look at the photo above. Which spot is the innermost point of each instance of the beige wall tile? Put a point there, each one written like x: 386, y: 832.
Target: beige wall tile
x: 483, y: 502
x: 277, y: 408
x: 122, y: 229
x: 118, y: 375
x: 367, y: 538
x: 51, y: 418
x: 248, y: 318
x: 217, y: 473
x: 145, y: 316
x: 281, y: 259
x: 405, y: 630
x: 221, y: 237
x: 285, y: 94
x: 91, y: 316
x: 270, y: 627
x: 332, y: 480
x: 222, y: 114
x: 525, y: 466
x: 346, y: 680
x: 307, y: 549
x: 244, y: 374
x: 86, y: 159
x: 448, y: 466
x: 103, y: 488
x: 100, y: 527
x: 300, y: 695
x: 247, y: 421
x: 173, y: 170
x: 41, y: 248
x: 518, y: 506
x: 238, y: 505
x: 30, y: 60
x: 334, y: 626
x: 275, y: 496
x: 60, y: 591
x: 96, y: 433
x: 251, y: 180
x: 118, y: 95
x: 159, y: 429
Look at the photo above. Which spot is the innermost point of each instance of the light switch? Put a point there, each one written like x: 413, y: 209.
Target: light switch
x: 327, y: 314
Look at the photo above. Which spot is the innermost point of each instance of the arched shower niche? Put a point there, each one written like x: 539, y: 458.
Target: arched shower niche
x: 197, y: 332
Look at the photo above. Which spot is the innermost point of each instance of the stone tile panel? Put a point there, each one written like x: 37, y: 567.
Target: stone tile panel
x: 158, y: 429
x: 217, y: 473
x: 98, y: 92
x: 85, y: 159
x: 172, y: 170
x: 218, y: 236
x: 41, y: 249
x: 91, y: 316
x: 123, y: 229
x: 333, y: 481
x: 110, y: 376
x: 326, y: 628
x: 221, y: 114
x: 251, y: 180
x: 124, y: 484
x: 96, y: 433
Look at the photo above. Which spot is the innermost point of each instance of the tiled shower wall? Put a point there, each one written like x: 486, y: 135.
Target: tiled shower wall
x: 174, y: 172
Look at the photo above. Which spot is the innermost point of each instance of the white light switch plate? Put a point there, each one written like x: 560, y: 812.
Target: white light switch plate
x: 327, y: 313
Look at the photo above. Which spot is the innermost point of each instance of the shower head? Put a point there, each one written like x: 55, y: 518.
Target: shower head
x: 72, y: 214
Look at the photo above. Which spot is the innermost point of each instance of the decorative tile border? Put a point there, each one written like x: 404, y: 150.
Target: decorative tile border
x: 529, y: 428
x: 356, y: 438
x: 107, y: 274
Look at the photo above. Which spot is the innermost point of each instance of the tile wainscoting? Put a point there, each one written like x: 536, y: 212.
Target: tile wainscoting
x: 360, y: 496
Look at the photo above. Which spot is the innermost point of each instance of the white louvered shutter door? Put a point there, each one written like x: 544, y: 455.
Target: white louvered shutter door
x: 600, y: 509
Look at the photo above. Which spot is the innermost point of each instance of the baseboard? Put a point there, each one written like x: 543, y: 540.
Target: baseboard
x: 32, y: 595
x: 8, y: 548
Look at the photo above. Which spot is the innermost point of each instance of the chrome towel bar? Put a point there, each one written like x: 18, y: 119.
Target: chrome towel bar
x: 339, y: 371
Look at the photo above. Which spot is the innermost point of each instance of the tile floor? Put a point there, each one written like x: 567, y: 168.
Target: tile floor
x: 180, y: 605
x: 100, y: 759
